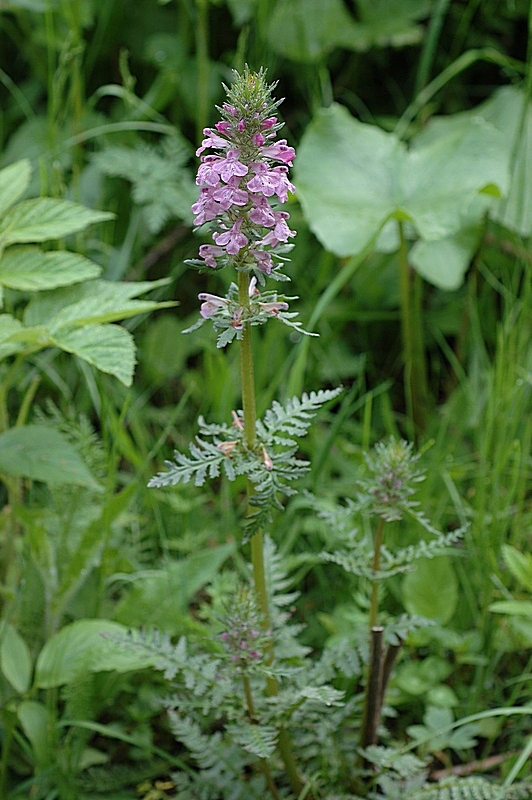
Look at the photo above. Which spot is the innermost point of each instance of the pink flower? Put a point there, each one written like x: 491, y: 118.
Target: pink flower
x: 274, y: 307
x: 230, y: 195
x: 209, y: 253
x: 211, y: 140
x: 279, y: 152
x: 263, y: 259
x: 229, y: 166
x: 233, y: 240
x: 211, y: 303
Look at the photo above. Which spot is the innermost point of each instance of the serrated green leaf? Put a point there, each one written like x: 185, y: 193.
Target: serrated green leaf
x: 82, y: 647
x: 91, y: 303
x: 30, y: 269
x: 109, y: 348
x: 14, y: 181
x: 352, y: 178
x: 45, y: 218
x: 42, y: 454
x: 15, y: 658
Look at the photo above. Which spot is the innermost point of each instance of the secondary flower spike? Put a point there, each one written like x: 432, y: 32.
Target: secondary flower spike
x: 244, y: 179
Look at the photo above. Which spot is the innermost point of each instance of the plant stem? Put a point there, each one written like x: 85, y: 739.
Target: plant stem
x: 249, y: 408
x: 265, y: 767
x: 374, y: 607
x: 416, y: 386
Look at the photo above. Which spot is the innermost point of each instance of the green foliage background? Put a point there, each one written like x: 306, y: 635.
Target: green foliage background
x: 413, y: 127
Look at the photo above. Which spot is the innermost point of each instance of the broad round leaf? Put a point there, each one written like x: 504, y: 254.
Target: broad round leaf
x: 352, y: 177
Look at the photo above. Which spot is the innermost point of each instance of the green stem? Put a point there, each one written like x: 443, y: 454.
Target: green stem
x: 416, y: 385
x: 265, y: 767
x: 249, y: 408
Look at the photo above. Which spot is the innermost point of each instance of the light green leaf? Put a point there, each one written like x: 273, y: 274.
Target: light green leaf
x: 383, y: 23
x: 84, y: 647
x: 29, y: 269
x: 444, y: 262
x: 109, y: 348
x: 503, y: 110
x: 91, y: 303
x: 160, y: 598
x: 352, y: 178
x: 15, y: 658
x: 45, y: 218
x: 519, y: 564
x: 344, y: 178
x: 519, y: 608
x: 431, y: 590
x: 306, y: 30
x: 14, y: 181
x: 37, y: 723
x: 42, y: 454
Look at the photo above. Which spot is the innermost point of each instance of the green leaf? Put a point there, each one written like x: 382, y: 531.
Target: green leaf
x: 444, y: 262
x: 160, y: 598
x: 45, y: 218
x: 37, y: 723
x: 352, y: 178
x: 431, y: 590
x: 383, y: 23
x: 91, y: 303
x: 29, y: 269
x: 306, y: 30
x: 503, y: 110
x: 14, y: 180
x: 84, y: 647
x: 42, y: 454
x: 518, y: 608
x: 109, y: 348
x: 519, y: 564
x: 15, y: 658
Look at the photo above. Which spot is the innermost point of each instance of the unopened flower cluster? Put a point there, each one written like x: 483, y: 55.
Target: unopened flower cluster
x: 243, y: 637
x: 242, y: 184
x: 388, y: 488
